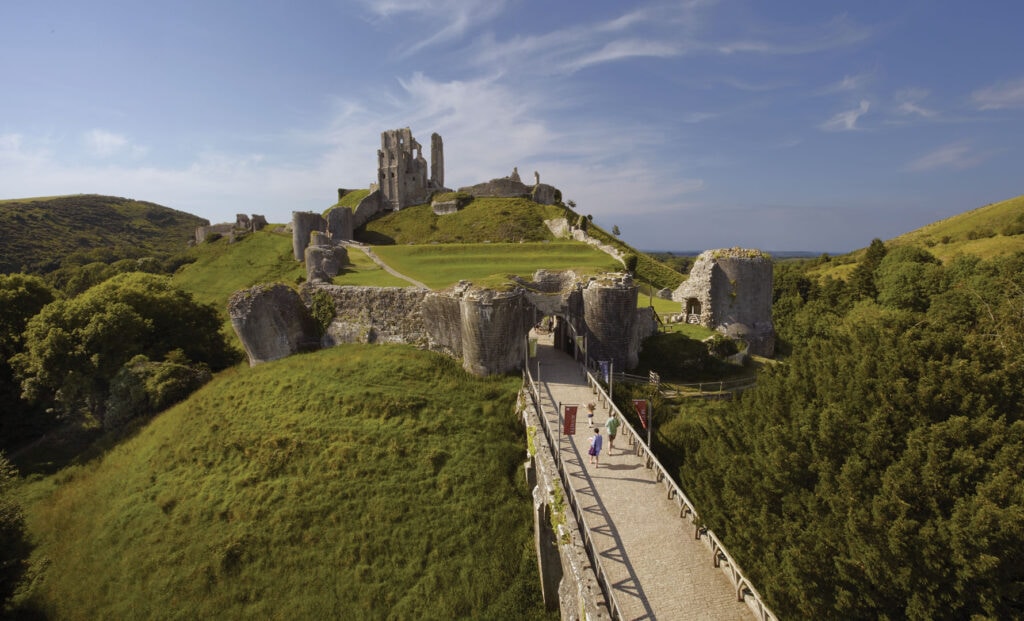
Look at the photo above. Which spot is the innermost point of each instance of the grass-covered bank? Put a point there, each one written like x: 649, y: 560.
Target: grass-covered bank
x: 356, y: 482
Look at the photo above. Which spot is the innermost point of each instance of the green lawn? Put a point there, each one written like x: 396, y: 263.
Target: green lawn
x: 442, y: 265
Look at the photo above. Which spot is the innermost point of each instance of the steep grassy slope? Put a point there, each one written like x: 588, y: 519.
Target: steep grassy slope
x: 357, y: 482
x: 989, y: 231
x: 483, y: 220
x: 986, y: 232
x: 221, y: 268
x: 41, y: 234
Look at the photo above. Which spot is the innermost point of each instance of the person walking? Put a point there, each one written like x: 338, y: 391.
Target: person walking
x: 612, y: 427
x: 595, y: 448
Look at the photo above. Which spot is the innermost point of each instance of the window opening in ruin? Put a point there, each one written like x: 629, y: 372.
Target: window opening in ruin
x: 693, y: 310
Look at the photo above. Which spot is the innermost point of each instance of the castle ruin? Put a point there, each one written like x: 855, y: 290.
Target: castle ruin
x: 730, y: 290
x: 402, y: 169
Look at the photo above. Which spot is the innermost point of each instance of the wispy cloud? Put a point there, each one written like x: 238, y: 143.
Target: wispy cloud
x: 908, y: 103
x: 841, y: 31
x: 618, y: 50
x: 846, y: 121
x: 453, y: 17
x: 102, y: 143
x: 849, y: 83
x: 955, y: 156
x: 1009, y: 94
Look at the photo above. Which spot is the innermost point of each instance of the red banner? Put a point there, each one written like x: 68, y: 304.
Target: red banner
x: 569, y: 428
x: 641, y: 410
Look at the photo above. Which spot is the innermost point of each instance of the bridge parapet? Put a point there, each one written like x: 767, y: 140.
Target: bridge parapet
x: 720, y: 557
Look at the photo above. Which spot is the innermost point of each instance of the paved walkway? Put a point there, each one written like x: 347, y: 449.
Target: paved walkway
x: 657, y: 568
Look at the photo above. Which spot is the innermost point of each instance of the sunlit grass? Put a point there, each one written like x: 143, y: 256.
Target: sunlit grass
x: 357, y: 482
x: 441, y: 265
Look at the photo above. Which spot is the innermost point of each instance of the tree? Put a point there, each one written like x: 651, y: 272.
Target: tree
x: 74, y: 348
x: 862, y: 280
x: 21, y: 297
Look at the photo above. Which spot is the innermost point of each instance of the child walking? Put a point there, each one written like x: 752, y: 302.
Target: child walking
x: 595, y: 448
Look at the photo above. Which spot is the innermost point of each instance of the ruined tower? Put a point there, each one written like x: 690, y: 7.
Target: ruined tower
x: 402, y: 169
x: 730, y: 290
x: 436, y: 160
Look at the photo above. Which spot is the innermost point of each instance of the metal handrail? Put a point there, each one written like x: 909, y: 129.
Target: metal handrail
x: 588, y: 541
x: 687, y: 510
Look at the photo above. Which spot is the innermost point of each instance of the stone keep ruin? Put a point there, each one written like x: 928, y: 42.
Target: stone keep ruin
x: 730, y: 290
x: 484, y: 328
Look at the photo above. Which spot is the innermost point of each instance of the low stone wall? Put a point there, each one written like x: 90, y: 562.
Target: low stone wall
x: 568, y: 581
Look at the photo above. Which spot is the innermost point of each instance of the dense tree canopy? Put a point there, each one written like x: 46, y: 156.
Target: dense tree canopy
x: 876, y: 473
x: 75, y: 347
x: 21, y: 297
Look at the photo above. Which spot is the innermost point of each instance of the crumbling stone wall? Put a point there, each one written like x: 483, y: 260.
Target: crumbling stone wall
x: 303, y: 224
x: 272, y: 322
x: 512, y: 187
x: 339, y: 223
x: 487, y: 329
x: 730, y: 290
x: 242, y: 223
x: 610, y: 312
x: 372, y: 314
x: 494, y: 330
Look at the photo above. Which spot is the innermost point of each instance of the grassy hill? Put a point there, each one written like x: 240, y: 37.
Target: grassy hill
x: 992, y: 230
x: 986, y: 232
x: 361, y: 482
x: 42, y: 234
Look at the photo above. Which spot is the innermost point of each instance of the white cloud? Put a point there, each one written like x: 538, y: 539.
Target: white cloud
x: 1009, y: 94
x: 781, y: 40
x: 846, y: 121
x: 456, y: 17
x: 908, y: 101
x: 956, y: 156
x: 618, y: 50
x: 849, y: 83
x: 104, y: 144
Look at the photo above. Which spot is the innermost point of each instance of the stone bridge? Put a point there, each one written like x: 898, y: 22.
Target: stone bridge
x: 627, y: 544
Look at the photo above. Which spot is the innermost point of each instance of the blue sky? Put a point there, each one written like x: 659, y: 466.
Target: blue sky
x: 694, y: 124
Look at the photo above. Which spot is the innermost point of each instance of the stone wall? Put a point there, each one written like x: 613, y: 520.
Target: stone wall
x: 486, y: 329
x: 242, y: 223
x: 730, y: 290
x: 272, y: 322
x: 512, y: 187
x: 303, y: 224
x: 613, y: 326
x: 568, y: 581
x: 372, y: 314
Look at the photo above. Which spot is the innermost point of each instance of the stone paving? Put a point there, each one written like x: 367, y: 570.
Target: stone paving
x: 657, y: 568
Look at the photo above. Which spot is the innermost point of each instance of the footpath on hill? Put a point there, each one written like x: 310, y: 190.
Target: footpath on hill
x: 387, y: 268
x: 658, y: 569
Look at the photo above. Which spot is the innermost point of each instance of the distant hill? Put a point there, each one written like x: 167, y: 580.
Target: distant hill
x: 43, y: 234
x: 990, y: 231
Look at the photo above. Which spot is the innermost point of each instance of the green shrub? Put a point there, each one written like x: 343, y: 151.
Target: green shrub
x: 722, y: 347
x: 631, y: 260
